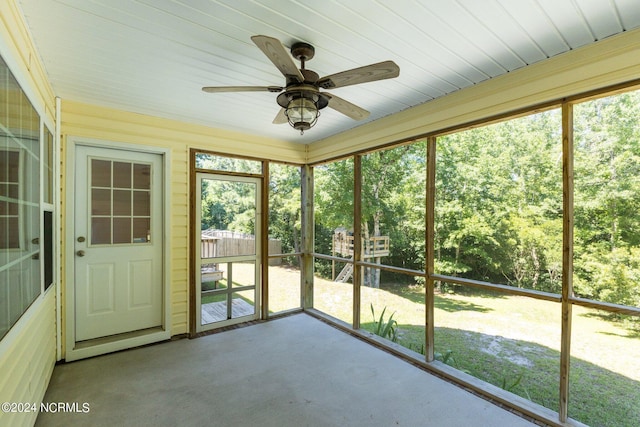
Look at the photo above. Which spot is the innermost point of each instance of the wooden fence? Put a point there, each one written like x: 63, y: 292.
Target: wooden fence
x: 223, y: 243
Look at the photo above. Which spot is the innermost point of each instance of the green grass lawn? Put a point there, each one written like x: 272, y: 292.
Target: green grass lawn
x: 514, y: 342
x: 510, y: 341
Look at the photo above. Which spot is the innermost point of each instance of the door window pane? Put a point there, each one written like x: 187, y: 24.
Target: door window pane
x: 222, y: 163
x: 229, y: 216
x: 121, y: 202
x: 100, y: 173
x: 121, y: 175
x: 243, y: 303
x: 121, y: 230
x: 141, y: 230
x: 141, y: 203
x: 120, y: 214
x: 100, y: 231
x: 142, y: 176
x: 100, y: 202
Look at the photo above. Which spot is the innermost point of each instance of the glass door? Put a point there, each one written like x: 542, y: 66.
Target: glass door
x: 228, y: 244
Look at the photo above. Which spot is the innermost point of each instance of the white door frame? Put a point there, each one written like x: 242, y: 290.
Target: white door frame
x: 73, y: 351
x: 199, y: 327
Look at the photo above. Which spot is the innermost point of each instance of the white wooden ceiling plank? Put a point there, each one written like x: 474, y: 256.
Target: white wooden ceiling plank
x: 569, y: 21
x: 512, y: 38
x: 629, y: 13
x: 259, y: 18
x: 189, y: 39
x: 237, y: 69
x: 218, y: 34
x: 453, y: 35
x: 601, y: 17
x: 477, y: 34
x: 362, y: 51
x: 395, y: 94
x: 477, y: 64
x: 141, y: 57
x: 532, y: 19
x: 153, y: 56
x: 407, y: 41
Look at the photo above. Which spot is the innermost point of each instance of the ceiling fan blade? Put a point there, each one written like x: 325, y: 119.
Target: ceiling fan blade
x: 347, y: 108
x: 281, y: 118
x: 276, y: 52
x: 368, y: 73
x: 220, y: 89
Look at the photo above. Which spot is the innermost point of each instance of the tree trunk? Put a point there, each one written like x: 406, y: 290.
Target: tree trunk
x: 366, y: 271
x: 376, y: 275
x: 536, y: 267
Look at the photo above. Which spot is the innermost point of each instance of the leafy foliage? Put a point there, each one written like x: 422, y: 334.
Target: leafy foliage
x: 498, y: 193
x: 498, y: 202
x: 285, y: 222
x: 607, y: 205
x: 385, y: 328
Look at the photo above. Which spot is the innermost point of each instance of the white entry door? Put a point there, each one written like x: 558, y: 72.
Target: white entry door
x: 118, y: 242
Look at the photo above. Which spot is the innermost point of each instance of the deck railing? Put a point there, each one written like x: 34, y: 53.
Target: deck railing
x: 373, y: 247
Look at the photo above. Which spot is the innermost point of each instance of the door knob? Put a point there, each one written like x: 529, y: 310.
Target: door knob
x: 80, y: 253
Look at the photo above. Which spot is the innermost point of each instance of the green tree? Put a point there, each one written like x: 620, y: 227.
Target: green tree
x: 393, y: 205
x: 498, y: 191
x: 607, y: 198
x: 284, y: 206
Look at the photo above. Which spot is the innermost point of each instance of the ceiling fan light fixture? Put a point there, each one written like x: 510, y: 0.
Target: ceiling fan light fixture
x: 301, y: 99
x: 302, y: 113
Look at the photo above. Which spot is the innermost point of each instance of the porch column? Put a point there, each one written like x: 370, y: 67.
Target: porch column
x: 306, y: 293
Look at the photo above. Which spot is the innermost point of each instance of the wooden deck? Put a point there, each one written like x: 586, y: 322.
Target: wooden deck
x: 374, y: 247
x: 217, y: 311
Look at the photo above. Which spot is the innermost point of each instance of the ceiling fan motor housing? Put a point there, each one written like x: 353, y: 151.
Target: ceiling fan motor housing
x: 303, y: 91
x: 302, y: 51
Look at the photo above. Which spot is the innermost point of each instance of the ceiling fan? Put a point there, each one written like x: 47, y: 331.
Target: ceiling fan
x: 301, y: 98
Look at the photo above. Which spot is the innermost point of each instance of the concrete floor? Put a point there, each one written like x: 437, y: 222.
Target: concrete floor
x: 293, y: 371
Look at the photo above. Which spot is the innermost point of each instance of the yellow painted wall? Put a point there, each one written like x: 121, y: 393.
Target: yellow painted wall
x: 28, y: 351
x: 27, y: 358
x: 610, y: 61
x: 90, y: 121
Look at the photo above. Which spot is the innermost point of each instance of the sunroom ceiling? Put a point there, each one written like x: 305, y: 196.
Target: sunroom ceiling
x: 153, y: 56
